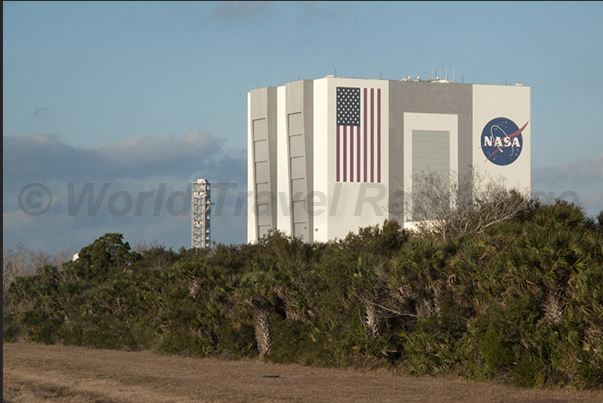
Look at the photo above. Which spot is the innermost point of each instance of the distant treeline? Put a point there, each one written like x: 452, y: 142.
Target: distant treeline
x: 521, y: 301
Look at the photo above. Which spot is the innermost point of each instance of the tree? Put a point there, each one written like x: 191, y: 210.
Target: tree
x: 257, y: 287
x: 96, y: 260
x: 461, y: 204
x: 25, y: 262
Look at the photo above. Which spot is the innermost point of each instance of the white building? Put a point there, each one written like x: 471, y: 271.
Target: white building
x: 200, y: 215
x: 328, y: 156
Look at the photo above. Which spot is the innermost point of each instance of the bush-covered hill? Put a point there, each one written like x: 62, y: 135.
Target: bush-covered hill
x: 520, y: 302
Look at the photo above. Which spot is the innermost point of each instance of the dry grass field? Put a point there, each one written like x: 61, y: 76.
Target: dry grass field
x: 35, y: 372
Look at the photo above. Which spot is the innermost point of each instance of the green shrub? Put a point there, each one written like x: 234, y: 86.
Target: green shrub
x: 522, y: 301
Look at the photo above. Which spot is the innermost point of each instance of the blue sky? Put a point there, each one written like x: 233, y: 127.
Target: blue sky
x: 140, y: 94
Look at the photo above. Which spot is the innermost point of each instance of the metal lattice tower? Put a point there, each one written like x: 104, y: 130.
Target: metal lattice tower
x: 201, y: 207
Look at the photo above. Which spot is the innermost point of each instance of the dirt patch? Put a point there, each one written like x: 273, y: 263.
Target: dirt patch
x: 35, y: 372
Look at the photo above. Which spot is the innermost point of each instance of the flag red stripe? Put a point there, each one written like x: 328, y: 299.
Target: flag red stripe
x: 358, y: 178
x: 345, y: 154
x: 351, y: 153
x: 372, y: 136
x: 338, y: 157
x: 365, y: 139
x: 379, y: 135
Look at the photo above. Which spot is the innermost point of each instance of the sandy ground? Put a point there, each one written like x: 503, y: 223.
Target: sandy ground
x: 35, y: 372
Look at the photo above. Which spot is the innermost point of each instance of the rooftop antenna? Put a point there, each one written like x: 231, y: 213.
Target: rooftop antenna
x: 335, y: 72
x: 452, y: 73
x: 446, y: 73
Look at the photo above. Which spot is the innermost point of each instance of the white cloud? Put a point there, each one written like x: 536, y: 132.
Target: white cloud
x: 135, y: 171
x: 580, y: 182
x: 43, y: 157
x: 310, y: 10
x: 236, y: 10
x: 591, y: 168
x: 147, y: 150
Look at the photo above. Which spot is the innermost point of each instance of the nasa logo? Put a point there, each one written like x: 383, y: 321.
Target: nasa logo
x: 502, y: 141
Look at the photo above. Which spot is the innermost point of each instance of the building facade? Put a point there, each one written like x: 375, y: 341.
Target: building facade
x: 200, y: 215
x: 331, y: 155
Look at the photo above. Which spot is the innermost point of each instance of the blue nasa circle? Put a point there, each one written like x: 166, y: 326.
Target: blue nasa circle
x: 501, y: 141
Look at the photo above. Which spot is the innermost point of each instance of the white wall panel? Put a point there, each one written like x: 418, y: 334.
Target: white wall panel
x: 261, y: 150
x: 251, y: 207
x: 351, y: 204
x: 296, y: 145
x: 298, y: 189
x: 260, y: 129
x: 512, y: 102
x: 298, y: 168
x: 323, y: 167
x: 283, y: 220
x: 296, y: 123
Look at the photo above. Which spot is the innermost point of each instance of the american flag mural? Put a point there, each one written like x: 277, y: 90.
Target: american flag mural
x: 358, y: 135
